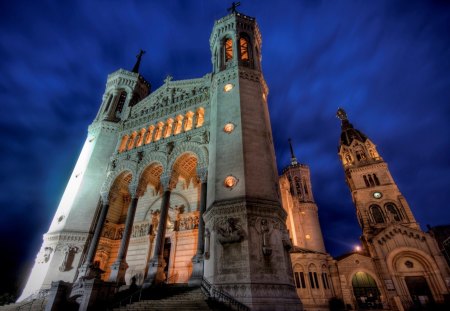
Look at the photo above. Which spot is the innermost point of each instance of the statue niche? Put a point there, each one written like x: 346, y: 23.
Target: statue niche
x: 229, y: 230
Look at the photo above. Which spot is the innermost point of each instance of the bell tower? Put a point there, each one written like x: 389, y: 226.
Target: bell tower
x: 379, y: 203
x: 247, y: 243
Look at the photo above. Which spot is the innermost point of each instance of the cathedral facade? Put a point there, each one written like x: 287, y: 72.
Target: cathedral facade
x: 169, y: 188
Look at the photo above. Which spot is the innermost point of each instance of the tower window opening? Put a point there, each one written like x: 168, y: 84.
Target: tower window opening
x: 366, y: 181
x: 298, y: 186
x: 316, y: 280
x: 243, y: 43
x: 371, y: 182
x: 305, y: 188
x: 377, y: 214
x: 393, y: 211
x: 228, y: 50
x: 311, y: 280
x: 122, y: 98
x: 302, y: 279
x: 377, y: 181
x: 109, y: 103
x: 297, y: 280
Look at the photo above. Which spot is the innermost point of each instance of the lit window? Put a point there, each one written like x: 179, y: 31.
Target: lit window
x: 308, y: 237
x: 228, y: 87
x: 228, y: 50
x: 244, y: 48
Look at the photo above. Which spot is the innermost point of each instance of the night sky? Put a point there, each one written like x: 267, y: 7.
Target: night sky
x: 386, y: 62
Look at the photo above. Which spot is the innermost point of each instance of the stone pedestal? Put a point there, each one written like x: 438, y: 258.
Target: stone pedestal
x: 197, y: 271
x: 156, y: 273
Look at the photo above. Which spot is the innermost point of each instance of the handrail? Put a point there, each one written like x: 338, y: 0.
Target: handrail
x: 128, y: 298
x: 218, y: 295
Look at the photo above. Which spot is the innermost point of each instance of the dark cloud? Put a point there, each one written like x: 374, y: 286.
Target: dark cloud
x: 386, y: 62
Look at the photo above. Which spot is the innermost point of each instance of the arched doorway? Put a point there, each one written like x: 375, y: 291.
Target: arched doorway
x: 419, y: 290
x: 366, y: 292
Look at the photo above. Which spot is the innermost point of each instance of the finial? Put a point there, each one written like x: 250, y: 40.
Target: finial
x: 341, y: 114
x: 168, y: 79
x: 233, y: 7
x: 293, y: 158
x: 138, y: 61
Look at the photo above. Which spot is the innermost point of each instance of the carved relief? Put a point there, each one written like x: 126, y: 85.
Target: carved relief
x: 229, y: 230
x: 44, y: 255
x: 140, y: 230
x: 188, y: 223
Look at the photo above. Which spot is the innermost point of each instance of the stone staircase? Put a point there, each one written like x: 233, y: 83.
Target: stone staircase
x: 181, y: 298
x: 33, y: 305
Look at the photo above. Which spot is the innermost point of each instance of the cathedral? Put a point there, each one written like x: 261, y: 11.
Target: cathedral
x: 179, y: 185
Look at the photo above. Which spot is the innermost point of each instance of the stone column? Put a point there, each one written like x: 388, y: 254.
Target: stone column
x: 157, y: 264
x: 87, y: 271
x: 197, y: 260
x: 119, y: 267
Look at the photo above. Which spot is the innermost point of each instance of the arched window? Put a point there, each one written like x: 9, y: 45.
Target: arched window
x: 123, y: 144
x: 178, y: 125
x: 131, y: 141
x: 393, y: 212
x: 148, y: 137
x: 140, y: 138
x: 366, y: 291
x: 305, y: 187
x: 188, y: 121
x: 244, y: 49
x: 122, y: 98
x: 348, y: 158
x: 377, y: 181
x: 299, y: 277
x: 200, y: 117
x: 228, y: 49
x: 313, y: 279
x: 377, y: 214
x: 168, y: 128
x: 158, y: 131
x: 366, y: 181
x: 371, y: 182
x: 298, y: 186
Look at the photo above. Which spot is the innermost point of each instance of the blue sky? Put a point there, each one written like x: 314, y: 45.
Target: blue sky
x: 386, y: 62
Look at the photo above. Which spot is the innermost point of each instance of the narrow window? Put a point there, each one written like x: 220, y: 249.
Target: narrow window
x: 297, y: 280
x: 311, y: 280
x: 243, y: 43
x: 122, y: 98
x: 316, y: 280
x: 302, y: 279
x: 228, y: 50
x: 393, y: 211
x: 371, y: 182
x: 377, y: 182
x: 366, y: 181
x: 109, y: 103
x: 298, y: 185
x: 305, y: 187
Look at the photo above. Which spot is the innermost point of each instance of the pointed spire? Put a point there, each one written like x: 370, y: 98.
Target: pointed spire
x: 138, y: 61
x: 293, y: 158
x: 348, y: 133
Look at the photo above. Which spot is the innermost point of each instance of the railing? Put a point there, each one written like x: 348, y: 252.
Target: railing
x: 212, y: 292
x: 128, y: 299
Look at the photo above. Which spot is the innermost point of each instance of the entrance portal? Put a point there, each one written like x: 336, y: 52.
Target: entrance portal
x: 419, y: 290
x: 366, y: 291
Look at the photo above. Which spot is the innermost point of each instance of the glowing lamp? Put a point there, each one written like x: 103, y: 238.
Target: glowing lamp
x: 228, y: 87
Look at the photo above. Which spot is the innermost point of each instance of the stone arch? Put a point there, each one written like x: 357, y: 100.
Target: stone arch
x: 123, y: 166
x: 201, y: 152
x: 150, y: 158
x: 156, y: 205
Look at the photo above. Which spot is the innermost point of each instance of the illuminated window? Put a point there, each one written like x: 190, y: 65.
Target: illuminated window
x: 148, y: 137
x: 230, y: 182
x: 228, y: 128
x: 228, y: 87
x: 200, y: 116
x: 168, y: 128
x: 131, y: 141
x: 228, y: 50
x: 158, y: 131
x: 178, y: 125
x: 123, y: 144
x: 243, y: 43
x: 188, y: 121
x: 140, y: 140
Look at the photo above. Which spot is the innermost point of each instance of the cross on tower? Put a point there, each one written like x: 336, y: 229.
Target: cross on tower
x: 233, y: 7
x: 138, y: 61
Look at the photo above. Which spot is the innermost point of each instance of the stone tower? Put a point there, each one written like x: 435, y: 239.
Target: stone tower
x: 64, y: 244
x: 406, y: 259
x: 247, y: 244
x: 297, y: 197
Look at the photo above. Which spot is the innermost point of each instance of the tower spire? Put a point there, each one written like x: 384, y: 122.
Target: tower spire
x: 293, y: 158
x: 233, y: 7
x: 138, y: 61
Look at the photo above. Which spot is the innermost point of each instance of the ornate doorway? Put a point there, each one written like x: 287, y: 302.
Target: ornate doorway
x: 419, y: 290
x: 366, y: 291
